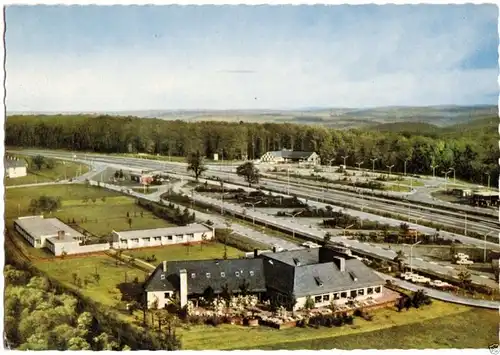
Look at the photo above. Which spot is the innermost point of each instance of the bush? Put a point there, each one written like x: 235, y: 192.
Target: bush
x: 214, y: 321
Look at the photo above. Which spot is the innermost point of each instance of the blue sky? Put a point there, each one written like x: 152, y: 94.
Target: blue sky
x: 94, y: 58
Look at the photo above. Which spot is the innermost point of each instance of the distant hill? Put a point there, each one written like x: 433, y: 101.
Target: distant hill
x: 423, y: 119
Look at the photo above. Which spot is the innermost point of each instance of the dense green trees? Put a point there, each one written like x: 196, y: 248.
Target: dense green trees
x: 249, y: 172
x: 471, y: 152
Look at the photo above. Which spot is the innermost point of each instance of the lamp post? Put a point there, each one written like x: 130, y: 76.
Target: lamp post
x: 406, y: 160
x: 446, y: 179
x: 434, y: 170
x: 390, y: 169
x: 454, y: 178
x: 484, y: 253
x: 293, y: 215
x: 345, y: 158
x: 330, y: 163
x: 411, y: 255
x: 373, y: 164
x: 465, y: 229
x: 488, y: 180
x: 359, y: 165
x: 288, y: 181
x: 347, y: 228
x: 253, y: 206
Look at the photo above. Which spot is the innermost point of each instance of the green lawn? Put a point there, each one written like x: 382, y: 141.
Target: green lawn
x: 59, y: 172
x: 228, y: 337
x: 477, y: 328
x: 102, y: 216
x: 397, y: 188
x: 211, y: 250
x: 111, y: 275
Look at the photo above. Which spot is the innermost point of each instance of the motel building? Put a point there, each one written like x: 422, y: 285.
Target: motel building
x: 191, y: 233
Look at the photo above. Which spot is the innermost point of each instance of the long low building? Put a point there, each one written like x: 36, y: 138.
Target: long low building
x: 48, y: 233
x: 322, y: 275
x: 191, y: 233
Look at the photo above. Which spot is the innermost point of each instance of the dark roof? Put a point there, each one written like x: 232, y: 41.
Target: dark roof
x: 291, y: 154
x: 314, y: 271
x: 13, y: 163
x: 327, y: 277
x: 232, y: 272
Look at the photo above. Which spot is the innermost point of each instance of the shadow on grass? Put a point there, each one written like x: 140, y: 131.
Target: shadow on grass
x: 131, y: 291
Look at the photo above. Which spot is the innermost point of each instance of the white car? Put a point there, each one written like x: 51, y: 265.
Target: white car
x: 407, y: 275
x: 420, y: 279
x: 464, y: 262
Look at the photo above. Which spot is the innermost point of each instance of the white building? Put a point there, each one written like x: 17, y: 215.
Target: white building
x: 50, y: 233
x: 191, y: 233
x: 290, y: 156
x: 14, y: 167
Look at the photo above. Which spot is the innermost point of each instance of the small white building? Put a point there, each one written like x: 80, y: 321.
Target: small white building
x: 191, y: 233
x: 291, y: 156
x: 50, y: 233
x: 14, y: 167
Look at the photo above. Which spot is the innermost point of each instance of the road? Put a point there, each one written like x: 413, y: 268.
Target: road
x: 440, y: 295
x: 288, y: 224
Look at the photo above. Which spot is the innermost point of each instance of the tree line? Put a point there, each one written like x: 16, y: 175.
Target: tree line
x: 472, y: 156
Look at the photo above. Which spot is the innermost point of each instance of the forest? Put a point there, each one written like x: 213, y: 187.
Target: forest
x: 471, y: 149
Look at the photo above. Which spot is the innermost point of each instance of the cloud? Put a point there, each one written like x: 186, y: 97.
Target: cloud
x: 404, y: 55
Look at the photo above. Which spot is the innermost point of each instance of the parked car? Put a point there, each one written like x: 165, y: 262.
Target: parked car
x: 464, y: 262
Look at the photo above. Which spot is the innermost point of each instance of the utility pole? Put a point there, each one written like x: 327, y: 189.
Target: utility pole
x: 446, y: 179
x: 405, y: 165
x: 288, y: 179
x: 293, y: 220
x: 411, y: 254
x: 465, y: 229
x: 373, y: 164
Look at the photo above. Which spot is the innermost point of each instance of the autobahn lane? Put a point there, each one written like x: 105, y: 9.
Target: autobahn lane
x: 388, y: 206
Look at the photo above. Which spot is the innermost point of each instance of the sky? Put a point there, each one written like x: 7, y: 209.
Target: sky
x: 118, y: 58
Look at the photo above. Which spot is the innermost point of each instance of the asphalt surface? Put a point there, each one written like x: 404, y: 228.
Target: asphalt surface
x: 289, y: 224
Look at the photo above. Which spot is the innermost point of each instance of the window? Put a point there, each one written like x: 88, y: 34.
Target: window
x: 343, y: 295
x: 169, y: 237
x: 222, y: 274
x: 208, y: 275
x: 317, y: 299
x: 336, y: 296
x: 147, y: 239
x: 354, y: 293
x: 193, y: 275
x: 361, y: 292
x: 369, y: 290
x: 162, y: 276
x: 377, y: 289
x: 251, y: 273
x: 179, y: 237
x: 326, y: 298
x: 167, y: 295
x: 157, y: 238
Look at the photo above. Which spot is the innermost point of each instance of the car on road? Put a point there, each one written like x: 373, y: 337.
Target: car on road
x: 464, y: 262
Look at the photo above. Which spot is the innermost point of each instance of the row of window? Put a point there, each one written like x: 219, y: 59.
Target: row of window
x: 169, y: 237
x: 343, y: 295
x: 223, y: 274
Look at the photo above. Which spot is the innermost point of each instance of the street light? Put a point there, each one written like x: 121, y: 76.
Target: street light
x: 484, y: 254
x: 330, y: 163
x: 359, y: 165
x: 253, y: 205
x: 405, y: 165
x: 411, y: 254
x: 345, y: 158
x: 434, y: 170
x: 465, y: 229
x: 347, y: 228
x: 488, y: 180
x: 293, y: 215
x: 390, y: 169
x: 373, y: 164
x: 454, y: 178
x: 446, y: 179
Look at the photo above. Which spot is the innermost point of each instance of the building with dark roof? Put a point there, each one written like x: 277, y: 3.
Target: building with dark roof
x: 14, y: 167
x: 290, y: 156
x: 322, y: 274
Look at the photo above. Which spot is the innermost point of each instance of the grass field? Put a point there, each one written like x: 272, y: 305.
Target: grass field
x: 387, y: 330
x: 111, y: 275
x: 210, y: 250
x: 60, y: 171
x: 102, y: 216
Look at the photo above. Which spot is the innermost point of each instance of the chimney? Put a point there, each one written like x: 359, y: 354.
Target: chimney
x: 60, y: 235
x: 164, y: 266
x: 183, y: 289
x: 274, y: 249
x: 255, y: 253
x: 340, y: 262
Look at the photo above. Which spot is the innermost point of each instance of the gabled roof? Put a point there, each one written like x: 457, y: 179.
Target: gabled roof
x: 232, y: 272
x: 13, y: 162
x: 290, y: 154
x: 327, y: 277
